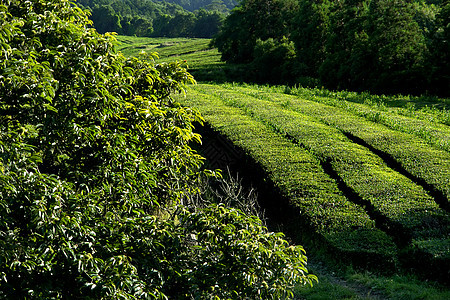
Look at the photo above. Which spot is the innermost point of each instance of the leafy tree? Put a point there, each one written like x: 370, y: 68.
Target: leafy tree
x: 376, y: 45
x: 151, y: 18
x: 253, y: 20
x: 193, y: 5
x: 343, y: 36
x: 218, y: 5
x: 274, y: 57
x: 309, y: 34
x: 136, y: 25
x: 440, y: 53
x: 106, y: 19
x: 399, y: 45
x: 207, y: 23
x: 94, y: 162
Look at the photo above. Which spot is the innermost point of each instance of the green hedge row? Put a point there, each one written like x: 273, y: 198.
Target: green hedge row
x: 416, y: 213
x: 341, y: 224
x: 428, y: 123
x: 392, y: 195
x: 415, y: 156
x: 406, y: 210
x: 431, y: 125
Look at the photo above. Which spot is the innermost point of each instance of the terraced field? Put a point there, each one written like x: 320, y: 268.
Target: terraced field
x: 373, y: 190
x: 202, y: 60
x: 362, y: 178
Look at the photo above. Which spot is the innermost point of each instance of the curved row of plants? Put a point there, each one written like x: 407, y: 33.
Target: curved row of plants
x: 426, y: 117
x: 399, y: 203
x: 340, y: 224
x: 415, y: 156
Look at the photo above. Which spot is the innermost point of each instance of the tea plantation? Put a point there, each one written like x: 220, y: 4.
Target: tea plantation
x: 363, y: 179
x: 374, y: 193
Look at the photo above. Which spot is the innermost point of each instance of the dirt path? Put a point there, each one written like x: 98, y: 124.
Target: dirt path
x: 349, y: 289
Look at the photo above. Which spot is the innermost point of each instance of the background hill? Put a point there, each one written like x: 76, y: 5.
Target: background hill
x: 192, y: 5
x: 157, y: 18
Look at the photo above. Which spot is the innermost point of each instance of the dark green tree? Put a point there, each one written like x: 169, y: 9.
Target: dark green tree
x: 106, y: 19
x: 207, y: 23
x: 253, y: 20
x: 275, y: 61
x: 309, y: 33
x: 440, y: 54
x: 399, y: 46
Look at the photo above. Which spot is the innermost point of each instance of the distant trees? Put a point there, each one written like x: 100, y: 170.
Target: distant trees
x: 153, y: 18
x: 253, y: 20
x: 192, y: 5
x: 377, y: 45
x: 201, y: 24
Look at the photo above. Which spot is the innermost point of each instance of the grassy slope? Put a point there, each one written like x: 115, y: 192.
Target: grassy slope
x: 316, y: 136
x: 425, y: 119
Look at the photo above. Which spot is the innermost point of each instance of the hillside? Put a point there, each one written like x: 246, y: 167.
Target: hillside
x: 192, y: 5
x: 154, y: 18
x: 360, y: 178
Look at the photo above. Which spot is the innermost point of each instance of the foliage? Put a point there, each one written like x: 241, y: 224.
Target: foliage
x: 341, y: 161
x: 376, y: 45
x: 274, y: 57
x: 232, y: 256
x: 251, y: 21
x: 192, y: 5
x: 94, y: 163
x: 315, y: 201
x: 152, y: 18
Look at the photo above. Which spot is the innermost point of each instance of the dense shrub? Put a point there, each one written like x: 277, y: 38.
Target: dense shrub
x: 94, y: 161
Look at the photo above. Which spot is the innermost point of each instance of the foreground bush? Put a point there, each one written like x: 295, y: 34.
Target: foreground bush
x: 94, y: 161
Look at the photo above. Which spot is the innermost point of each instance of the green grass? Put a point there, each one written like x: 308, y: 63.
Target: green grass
x: 357, y: 285
x: 401, y: 287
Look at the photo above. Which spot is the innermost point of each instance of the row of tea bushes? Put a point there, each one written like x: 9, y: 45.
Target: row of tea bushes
x: 400, y: 206
x: 340, y: 225
x: 427, y: 118
x: 403, y: 203
x: 408, y: 153
x: 398, y: 203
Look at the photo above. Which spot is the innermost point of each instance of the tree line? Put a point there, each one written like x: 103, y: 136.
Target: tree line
x: 191, y: 5
x: 383, y: 46
x: 155, y: 18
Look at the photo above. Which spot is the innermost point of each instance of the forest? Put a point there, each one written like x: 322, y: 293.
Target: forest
x: 377, y: 45
x: 157, y: 18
